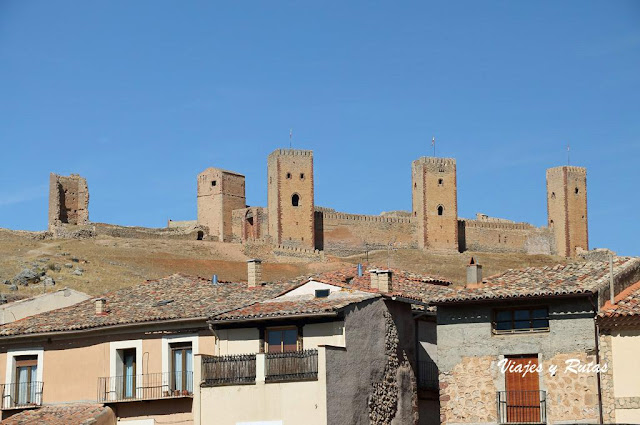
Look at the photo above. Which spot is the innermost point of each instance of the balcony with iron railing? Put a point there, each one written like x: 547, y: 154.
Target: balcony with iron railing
x: 251, y: 368
x: 522, y: 407
x: 21, y: 395
x: 151, y: 386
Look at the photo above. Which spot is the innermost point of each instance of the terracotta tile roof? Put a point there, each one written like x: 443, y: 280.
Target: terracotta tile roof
x: 173, y: 297
x: 575, y: 278
x: 63, y: 414
x: 295, y: 306
x: 404, y: 284
x: 627, y: 305
x: 356, y: 289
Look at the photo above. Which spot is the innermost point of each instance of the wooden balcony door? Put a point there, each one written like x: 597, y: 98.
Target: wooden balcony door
x: 523, y: 392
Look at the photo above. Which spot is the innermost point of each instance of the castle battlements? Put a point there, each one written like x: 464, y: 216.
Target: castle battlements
x: 292, y: 223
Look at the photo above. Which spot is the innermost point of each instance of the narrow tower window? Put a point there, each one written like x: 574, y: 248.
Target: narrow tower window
x: 288, y: 175
x: 301, y: 176
x: 440, y: 209
x: 295, y: 200
x: 440, y: 182
x: 577, y: 190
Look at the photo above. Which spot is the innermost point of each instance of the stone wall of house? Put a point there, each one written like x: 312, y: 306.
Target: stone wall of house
x: 380, y: 344
x: 469, y: 352
x: 606, y: 379
x: 468, y: 391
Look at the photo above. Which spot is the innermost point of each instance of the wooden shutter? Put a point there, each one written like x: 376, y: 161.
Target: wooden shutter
x: 523, y: 392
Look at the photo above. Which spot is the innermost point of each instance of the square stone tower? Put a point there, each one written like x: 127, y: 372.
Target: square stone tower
x: 219, y: 193
x: 567, y: 208
x: 435, y: 203
x: 68, y: 200
x: 290, y: 197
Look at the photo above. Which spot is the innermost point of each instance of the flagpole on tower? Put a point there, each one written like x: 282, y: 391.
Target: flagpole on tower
x: 433, y: 145
x: 290, y: 137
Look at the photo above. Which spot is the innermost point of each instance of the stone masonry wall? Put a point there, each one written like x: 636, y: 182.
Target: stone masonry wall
x: 350, y: 233
x: 488, y: 236
x: 380, y: 345
x: 68, y: 200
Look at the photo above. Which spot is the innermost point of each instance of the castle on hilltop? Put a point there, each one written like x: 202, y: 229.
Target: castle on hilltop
x: 292, y: 221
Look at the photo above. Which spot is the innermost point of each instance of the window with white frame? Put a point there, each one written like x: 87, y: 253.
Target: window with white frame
x: 23, y: 379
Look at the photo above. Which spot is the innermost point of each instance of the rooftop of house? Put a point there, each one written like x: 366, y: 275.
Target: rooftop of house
x: 355, y: 289
x: 626, y: 305
x: 534, y: 282
x: 76, y: 413
x: 171, y: 298
x: 300, y: 305
x: 403, y: 284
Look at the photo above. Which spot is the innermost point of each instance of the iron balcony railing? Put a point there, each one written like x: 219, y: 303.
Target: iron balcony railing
x: 522, y: 407
x: 428, y: 375
x: 228, y: 370
x: 18, y: 395
x: 151, y: 386
x: 291, y: 366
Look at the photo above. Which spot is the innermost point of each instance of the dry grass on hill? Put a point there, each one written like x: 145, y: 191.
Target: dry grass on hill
x: 113, y: 263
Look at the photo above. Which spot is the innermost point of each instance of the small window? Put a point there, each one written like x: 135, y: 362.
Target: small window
x: 415, y: 185
x: 550, y: 223
x: 322, y: 293
x: 295, y: 200
x: 214, y: 183
x: 577, y: 190
x: 282, y: 340
x: 440, y: 182
x: 553, y: 195
x: 534, y: 319
x: 301, y: 176
x: 26, y: 388
x: 288, y: 175
x: 440, y: 209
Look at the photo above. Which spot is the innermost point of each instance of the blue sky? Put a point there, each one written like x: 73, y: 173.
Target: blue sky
x: 141, y: 96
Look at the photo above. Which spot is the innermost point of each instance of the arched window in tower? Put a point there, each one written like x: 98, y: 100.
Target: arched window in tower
x: 440, y: 210
x: 288, y: 175
x: 577, y: 190
x: 440, y: 182
x: 295, y: 200
x: 553, y: 195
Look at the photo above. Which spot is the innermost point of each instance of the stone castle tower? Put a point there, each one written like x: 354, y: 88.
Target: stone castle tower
x: 219, y: 193
x: 290, y: 198
x: 435, y: 203
x: 567, y: 208
x: 68, y: 200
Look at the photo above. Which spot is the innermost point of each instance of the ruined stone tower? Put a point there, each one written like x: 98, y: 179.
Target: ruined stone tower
x: 68, y: 200
x: 435, y: 203
x: 219, y: 193
x: 567, y: 208
x: 290, y: 197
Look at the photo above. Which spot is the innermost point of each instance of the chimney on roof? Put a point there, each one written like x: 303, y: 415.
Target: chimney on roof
x: 101, y: 306
x: 474, y: 274
x: 254, y: 272
x: 384, y: 280
x: 373, y: 273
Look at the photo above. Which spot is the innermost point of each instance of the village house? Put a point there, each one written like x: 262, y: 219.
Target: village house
x: 619, y: 328
x: 131, y: 350
x: 343, y: 347
x: 522, y: 346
